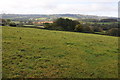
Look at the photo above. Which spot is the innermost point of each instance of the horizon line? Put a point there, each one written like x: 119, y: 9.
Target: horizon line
x: 57, y: 14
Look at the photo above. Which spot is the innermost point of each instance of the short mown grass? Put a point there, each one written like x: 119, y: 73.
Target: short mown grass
x: 38, y: 53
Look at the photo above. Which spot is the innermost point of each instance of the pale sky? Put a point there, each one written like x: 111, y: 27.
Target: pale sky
x: 87, y: 7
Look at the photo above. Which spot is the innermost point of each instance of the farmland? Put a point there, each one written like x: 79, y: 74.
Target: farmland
x: 39, y: 53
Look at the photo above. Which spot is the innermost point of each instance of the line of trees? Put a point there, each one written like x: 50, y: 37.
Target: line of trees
x: 72, y: 25
x: 62, y: 24
x: 8, y: 22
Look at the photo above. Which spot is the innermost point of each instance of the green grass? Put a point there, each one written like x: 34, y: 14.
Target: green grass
x: 38, y: 53
x: 107, y: 22
x: 70, y: 18
x: 40, y: 18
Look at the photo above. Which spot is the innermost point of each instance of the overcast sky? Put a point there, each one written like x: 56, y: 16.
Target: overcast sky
x: 87, y: 7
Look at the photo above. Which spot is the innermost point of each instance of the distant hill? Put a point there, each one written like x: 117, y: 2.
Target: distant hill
x: 50, y: 17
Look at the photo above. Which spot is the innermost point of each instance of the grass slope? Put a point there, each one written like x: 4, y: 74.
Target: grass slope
x: 33, y: 53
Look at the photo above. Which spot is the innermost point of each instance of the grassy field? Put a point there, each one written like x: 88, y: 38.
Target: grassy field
x: 41, y: 18
x: 70, y: 18
x: 108, y: 23
x: 38, y: 53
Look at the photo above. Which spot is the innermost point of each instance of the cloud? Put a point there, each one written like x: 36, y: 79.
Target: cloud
x: 95, y: 0
x: 89, y: 8
x: 97, y: 7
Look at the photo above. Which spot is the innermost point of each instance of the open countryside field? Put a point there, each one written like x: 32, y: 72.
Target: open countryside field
x: 38, y: 53
x: 70, y: 18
